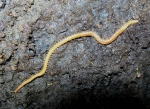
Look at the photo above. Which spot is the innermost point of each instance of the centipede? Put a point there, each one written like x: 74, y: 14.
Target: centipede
x: 70, y: 38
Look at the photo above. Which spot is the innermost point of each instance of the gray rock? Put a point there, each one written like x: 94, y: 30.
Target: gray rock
x: 2, y: 4
x: 1, y: 80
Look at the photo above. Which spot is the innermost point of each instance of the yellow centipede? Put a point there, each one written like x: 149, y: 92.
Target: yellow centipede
x: 69, y: 38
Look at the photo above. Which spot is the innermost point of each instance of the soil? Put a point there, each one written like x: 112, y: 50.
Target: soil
x: 81, y: 73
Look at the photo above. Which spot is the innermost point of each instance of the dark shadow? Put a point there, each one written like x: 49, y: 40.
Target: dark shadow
x: 81, y: 100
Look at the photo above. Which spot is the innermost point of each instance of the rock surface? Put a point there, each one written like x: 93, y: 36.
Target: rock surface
x: 82, y: 72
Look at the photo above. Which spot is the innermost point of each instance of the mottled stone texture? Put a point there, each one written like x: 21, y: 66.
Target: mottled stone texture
x: 81, y: 73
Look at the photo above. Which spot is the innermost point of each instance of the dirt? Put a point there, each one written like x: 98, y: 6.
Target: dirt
x: 81, y: 73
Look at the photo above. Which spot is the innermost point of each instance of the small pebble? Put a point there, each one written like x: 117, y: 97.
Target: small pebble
x: 32, y: 2
x: 1, y: 61
x: 11, y: 23
x: 21, y: 29
x: 52, y: 73
x: 14, y: 67
x: 15, y: 43
x: 138, y: 75
x: 16, y: 62
x: 1, y: 56
x: 2, y: 35
x: 25, y: 105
